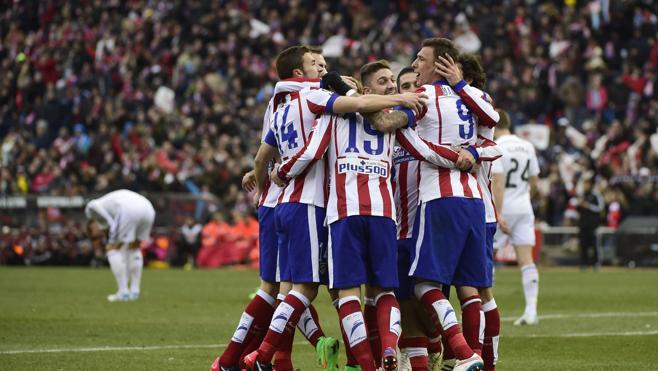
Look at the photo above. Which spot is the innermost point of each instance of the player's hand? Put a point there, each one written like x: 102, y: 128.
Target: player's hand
x: 414, y: 101
x: 351, y: 82
x: 502, y: 223
x: 255, y: 199
x: 274, y: 176
x: 465, y: 160
x: 447, y: 67
x: 475, y: 169
x: 249, y: 181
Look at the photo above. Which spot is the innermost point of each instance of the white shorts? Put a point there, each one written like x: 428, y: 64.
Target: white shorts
x: 133, y: 224
x: 522, y: 231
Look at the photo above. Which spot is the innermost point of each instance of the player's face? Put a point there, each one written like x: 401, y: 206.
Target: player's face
x: 423, y: 65
x: 94, y: 231
x: 309, y: 67
x: 408, y: 82
x: 320, y: 63
x: 381, y: 82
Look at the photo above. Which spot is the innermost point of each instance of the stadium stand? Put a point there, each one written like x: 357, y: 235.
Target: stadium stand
x: 168, y: 96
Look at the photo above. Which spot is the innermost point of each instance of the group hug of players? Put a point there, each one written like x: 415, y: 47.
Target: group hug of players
x: 383, y: 182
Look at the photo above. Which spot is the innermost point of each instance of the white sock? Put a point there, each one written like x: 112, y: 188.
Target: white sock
x: 530, y: 280
x: 135, y: 267
x: 117, y: 262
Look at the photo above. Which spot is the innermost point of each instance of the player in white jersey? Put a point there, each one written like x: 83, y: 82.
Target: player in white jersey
x: 451, y: 224
x: 360, y: 207
x: 516, y: 218
x: 128, y: 217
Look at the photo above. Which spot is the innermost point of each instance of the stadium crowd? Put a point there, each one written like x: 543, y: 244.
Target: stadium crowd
x: 168, y: 96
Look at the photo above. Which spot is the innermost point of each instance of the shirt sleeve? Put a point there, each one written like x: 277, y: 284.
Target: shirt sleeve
x: 420, y: 149
x: 95, y: 210
x: 476, y: 101
x: 497, y: 167
x: 312, y: 151
x: 266, y: 119
x: 411, y: 117
x: 270, y: 138
x: 319, y: 101
x: 534, y: 164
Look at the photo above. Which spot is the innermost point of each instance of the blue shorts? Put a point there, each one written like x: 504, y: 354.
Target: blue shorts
x: 302, y: 239
x: 490, y: 232
x: 267, y: 244
x: 451, y: 242
x: 362, y: 250
x: 406, y: 252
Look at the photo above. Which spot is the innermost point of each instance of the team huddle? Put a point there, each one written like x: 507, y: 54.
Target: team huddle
x: 384, y: 182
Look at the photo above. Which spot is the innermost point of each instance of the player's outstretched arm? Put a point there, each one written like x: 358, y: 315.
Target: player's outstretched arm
x: 472, y: 97
x: 312, y: 151
x: 387, y: 122
x: 374, y: 103
x: 425, y: 151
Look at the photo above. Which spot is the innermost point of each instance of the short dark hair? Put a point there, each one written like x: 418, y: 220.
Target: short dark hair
x: 290, y: 59
x: 403, y: 71
x: 314, y: 49
x: 473, y: 70
x: 372, y: 67
x: 505, y: 123
x: 442, y: 46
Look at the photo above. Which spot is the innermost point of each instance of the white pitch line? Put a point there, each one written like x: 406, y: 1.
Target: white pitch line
x: 586, y: 334
x: 117, y: 349
x: 219, y: 346
x: 589, y: 315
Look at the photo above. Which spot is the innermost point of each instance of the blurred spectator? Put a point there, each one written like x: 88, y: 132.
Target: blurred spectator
x: 189, y: 243
x: 590, y: 207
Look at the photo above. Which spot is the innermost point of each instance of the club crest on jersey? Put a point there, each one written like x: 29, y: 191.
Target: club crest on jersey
x: 362, y: 166
x: 400, y: 155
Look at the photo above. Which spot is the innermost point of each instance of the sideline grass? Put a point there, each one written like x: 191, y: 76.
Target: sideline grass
x: 65, y: 308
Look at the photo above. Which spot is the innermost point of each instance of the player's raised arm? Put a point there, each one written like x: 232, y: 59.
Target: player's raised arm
x: 312, y: 151
x: 472, y: 97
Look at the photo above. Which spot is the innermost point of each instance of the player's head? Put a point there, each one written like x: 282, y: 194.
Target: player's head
x: 319, y: 59
x: 406, y: 80
x: 472, y: 70
x: 377, y: 78
x: 424, y: 63
x: 94, y: 230
x: 504, y: 125
x: 297, y: 61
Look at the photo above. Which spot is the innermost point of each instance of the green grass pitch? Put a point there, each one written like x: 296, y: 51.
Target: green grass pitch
x: 59, y: 319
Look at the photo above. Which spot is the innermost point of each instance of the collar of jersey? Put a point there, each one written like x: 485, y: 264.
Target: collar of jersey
x: 441, y: 82
x: 301, y: 79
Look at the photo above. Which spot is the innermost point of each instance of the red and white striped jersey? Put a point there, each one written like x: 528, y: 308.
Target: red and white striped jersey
x: 270, y: 192
x: 360, y: 159
x: 485, y: 139
x: 406, y: 180
x: 449, y: 120
x: 290, y: 128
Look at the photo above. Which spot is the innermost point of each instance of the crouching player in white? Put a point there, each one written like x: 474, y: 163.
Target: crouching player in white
x: 516, y: 219
x: 127, y: 218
